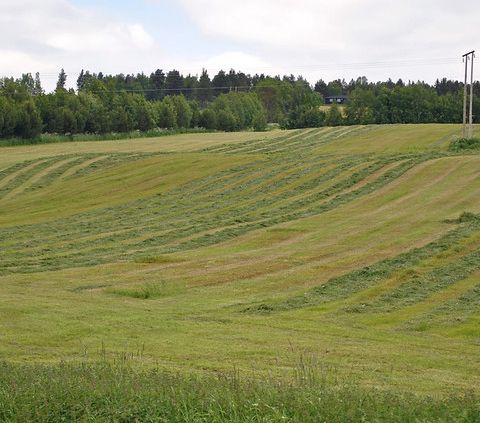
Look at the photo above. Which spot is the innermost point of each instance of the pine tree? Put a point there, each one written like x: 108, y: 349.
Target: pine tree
x: 81, y: 81
x: 37, y: 87
x: 62, y: 80
x: 220, y: 83
x: 157, y: 85
x: 204, y: 94
x: 174, y: 82
x: 190, y: 83
x: 28, y: 83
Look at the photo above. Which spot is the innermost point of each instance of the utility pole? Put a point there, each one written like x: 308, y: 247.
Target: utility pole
x: 464, y: 132
x: 466, y: 57
x: 470, y: 121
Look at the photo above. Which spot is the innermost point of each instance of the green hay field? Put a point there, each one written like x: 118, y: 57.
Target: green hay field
x: 212, y: 251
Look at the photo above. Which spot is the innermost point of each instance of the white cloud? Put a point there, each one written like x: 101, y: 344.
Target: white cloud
x: 278, y: 23
x: 309, y: 33
x: 52, y: 34
x: 229, y: 60
x: 140, y: 37
x: 315, y: 38
x: 330, y: 25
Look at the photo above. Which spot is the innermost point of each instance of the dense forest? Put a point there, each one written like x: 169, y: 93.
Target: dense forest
x: 227, y: 102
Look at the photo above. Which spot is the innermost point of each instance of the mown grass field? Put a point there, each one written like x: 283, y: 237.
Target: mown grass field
x: 202, y: 252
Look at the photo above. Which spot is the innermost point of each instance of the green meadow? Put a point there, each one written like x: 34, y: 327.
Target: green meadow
x: 351, y: 251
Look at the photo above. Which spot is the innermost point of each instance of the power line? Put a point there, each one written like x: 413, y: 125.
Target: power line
x: 187, y: 89
x: 340, y: 66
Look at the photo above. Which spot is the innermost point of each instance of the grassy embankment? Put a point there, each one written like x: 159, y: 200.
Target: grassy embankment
x: 213, y: 250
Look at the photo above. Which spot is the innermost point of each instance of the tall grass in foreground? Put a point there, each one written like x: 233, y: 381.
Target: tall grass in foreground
x: 119, y: 393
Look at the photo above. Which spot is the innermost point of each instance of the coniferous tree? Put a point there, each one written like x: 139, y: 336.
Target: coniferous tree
x: 157, y: 85
x: 28, y: 83
x: 81, y: 81
x: 62, y: 80
x: 174, y: 82
x: 190, y: 84
x: 321, y: 87
x: 37, y: 87
x: 220, y: 83
x: 204, y: 93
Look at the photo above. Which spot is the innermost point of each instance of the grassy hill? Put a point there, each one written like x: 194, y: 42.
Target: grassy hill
x: 208, y: 251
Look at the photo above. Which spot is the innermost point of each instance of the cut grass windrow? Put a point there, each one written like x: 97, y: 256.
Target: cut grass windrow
x: 342, y: 287
x: 298, y: 141
x: 28, y: 171
x: 420, y: 286
x: 170, y: 217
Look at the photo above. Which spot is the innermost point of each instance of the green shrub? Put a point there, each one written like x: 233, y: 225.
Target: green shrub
x: 464, y: 144
x: 226, y: 121
x: 259, y: 122
x: 208, y: 119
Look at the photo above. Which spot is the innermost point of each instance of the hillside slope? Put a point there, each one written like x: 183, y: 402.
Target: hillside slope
x: 208, y: 251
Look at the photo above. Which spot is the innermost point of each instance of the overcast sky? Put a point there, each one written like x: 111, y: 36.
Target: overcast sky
x: 417, y: 40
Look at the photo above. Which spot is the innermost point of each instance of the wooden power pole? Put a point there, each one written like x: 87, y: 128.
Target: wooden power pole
x: 466, y: 57
x: 470, y: 120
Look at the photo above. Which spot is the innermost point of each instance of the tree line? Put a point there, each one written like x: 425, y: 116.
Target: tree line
x: 227, y: 102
